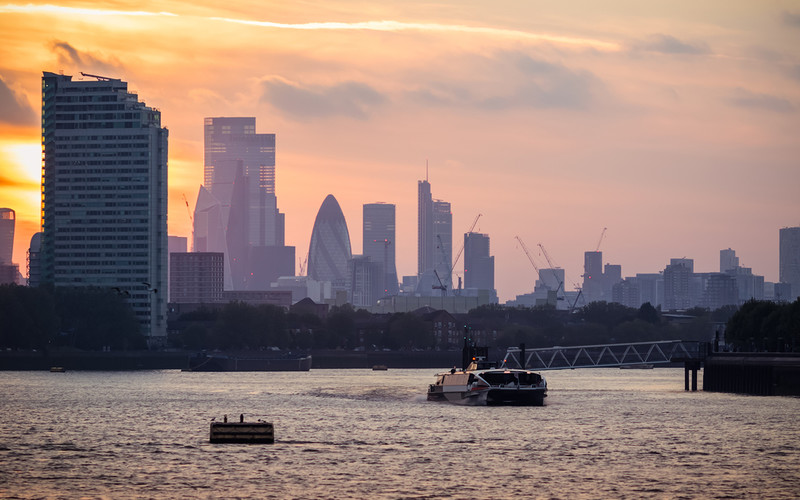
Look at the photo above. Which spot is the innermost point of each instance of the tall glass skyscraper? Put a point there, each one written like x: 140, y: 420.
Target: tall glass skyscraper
x: 379, y: 242
x: 434, y: 240
x: 239, y: 175
x: 104, y: 193
x: 329, y: 251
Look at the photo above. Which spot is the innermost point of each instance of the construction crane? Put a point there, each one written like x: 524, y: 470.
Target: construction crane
x: 442, y: 286
x: 528, y: 253
x: 303, y: 266
x: 600, y: 240
x: 191, y: 217
x: 553, y: 270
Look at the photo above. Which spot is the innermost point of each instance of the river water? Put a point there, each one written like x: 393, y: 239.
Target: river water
x: 603, y: 433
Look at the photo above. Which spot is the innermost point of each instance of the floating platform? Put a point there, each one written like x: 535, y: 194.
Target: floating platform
x: 379, y: 368
x: 242, y: 432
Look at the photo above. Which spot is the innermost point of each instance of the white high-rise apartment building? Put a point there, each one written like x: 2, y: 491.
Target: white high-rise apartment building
x: 104, y: 193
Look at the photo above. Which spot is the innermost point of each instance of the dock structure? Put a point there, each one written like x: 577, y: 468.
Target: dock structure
x: 605, y: 355
x: 758, y: 374
x: 631, y: 355
x: 242, y: 432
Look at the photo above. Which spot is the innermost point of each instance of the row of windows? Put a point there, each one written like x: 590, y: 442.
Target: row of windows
x: 101, y: 246
x: 91, y: 125
x: 140, y: 255
x: 101, y: 152
x: 95, y: 228
x: 110, y: 187
x: 104, y: 145
x: 104, y: 204
x: 68, y: 117
x: 120, y: 163
x: 84, y: 138
x: 89, y: 106
x: 88, y: 98
x: 96, y: 89
x: 90, y: 180
x: 73, y: 268
x: 63, y: 239
x: 100, y: 195
x: 108, y: 247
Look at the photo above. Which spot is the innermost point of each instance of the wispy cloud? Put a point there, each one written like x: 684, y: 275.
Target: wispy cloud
x: 13, y: 109
x: 668, y: 44
x: 434, y: 27
x: 791, y: 19
x: 352, y: 99
x: 61, y: 10
x: 527, y: 82
x: 71, y: 57
x: 382, y: 25
x: 747, y: 99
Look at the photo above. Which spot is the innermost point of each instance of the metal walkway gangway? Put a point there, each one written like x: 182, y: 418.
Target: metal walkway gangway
x: 605, y: 355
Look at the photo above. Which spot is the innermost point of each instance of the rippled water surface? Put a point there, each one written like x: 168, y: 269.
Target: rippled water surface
x: 604, y: 433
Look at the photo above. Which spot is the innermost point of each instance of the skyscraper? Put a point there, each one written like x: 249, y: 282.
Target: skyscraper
x: 104, y: 193
x: 592, y: 276
x: 478, y: 264
x: 239, y: 176
x: 425, y: 242
x: 7, y: 220
x: 789, y: 259
x: 379, y: 243
x: 329, y: 250
x: 443, y: 242
x: 728, y: 260
x: 434, y: 241
x: 676, y: 284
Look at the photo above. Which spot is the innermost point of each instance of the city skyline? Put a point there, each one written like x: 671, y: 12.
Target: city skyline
x: 670, y: 124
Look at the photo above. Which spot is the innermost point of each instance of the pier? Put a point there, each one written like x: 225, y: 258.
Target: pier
x: 635, y: 354
x: 758, y: 374
x: 605, y: 355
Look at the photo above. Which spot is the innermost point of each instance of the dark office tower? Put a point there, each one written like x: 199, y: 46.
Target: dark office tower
x: 7, y: 219
x: 728, y: 261
x: 240, y: 175
x: 104, y: 194
x: 592, y: 276
x: 9, y: 272
x: 676, y: 284
x: 425, y: 238
x: 478, y: 264
x: 443, y: 241
x: 329, y: 251
x: 789, y: 259
x: 379, y: 243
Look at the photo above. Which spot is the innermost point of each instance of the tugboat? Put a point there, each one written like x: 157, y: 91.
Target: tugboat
x: 479, y: 382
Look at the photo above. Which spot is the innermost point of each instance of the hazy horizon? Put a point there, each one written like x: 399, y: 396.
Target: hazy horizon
x: 672, y: 124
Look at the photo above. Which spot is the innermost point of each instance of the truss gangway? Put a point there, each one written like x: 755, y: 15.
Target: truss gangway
x: 606, y: 355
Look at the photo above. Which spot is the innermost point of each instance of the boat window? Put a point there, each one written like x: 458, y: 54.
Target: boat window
x: 504, y: 378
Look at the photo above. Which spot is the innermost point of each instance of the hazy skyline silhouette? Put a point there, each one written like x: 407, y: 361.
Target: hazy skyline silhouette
x: 672, y: 126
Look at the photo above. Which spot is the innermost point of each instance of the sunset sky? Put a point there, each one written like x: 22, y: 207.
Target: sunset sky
x: 674, y: 124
